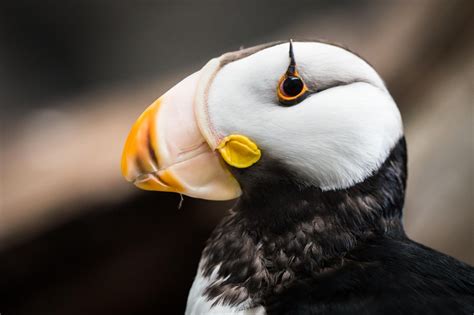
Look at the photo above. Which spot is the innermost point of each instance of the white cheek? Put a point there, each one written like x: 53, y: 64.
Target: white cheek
x: 333, y: 139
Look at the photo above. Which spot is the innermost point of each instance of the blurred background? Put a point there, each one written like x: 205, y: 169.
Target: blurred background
x: 75, y: 238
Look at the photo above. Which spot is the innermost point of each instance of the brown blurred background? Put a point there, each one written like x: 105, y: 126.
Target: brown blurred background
x: 75, y: 238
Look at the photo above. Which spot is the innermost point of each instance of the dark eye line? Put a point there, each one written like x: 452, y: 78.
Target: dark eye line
x: 311, y: 91
x: 291, y: 88
x: 291, y: 71
x: 336, y: 84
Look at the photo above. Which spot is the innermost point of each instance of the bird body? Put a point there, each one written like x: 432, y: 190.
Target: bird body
x: 314, y: 149
x: 323, y: 259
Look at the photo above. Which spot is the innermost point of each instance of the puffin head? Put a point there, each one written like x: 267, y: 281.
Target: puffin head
x: 316, y: 109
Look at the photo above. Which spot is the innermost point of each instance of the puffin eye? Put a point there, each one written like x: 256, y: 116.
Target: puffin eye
x: 291, y: 89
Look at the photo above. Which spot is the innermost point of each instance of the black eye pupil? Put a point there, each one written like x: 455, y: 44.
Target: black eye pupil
x: 292, y: 86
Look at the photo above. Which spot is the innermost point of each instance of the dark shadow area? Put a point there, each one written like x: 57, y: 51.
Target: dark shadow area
x: 136, y: 258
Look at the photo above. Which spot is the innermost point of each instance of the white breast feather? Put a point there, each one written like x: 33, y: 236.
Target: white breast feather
x: 198, y: 303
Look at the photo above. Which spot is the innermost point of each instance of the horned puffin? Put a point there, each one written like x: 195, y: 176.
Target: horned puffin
x: 306, y: 135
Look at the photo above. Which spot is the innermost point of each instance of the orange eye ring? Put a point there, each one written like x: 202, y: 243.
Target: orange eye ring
x: 291, y: 89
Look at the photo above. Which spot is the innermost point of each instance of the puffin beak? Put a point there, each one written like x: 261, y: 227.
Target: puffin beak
x: 165, y: 150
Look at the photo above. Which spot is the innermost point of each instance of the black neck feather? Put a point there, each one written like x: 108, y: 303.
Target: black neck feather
x: 280, y: 231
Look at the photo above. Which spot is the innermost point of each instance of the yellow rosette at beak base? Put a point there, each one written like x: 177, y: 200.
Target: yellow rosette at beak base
x: 239, y: 151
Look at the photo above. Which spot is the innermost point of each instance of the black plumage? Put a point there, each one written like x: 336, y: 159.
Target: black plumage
x: 296, y: 249
x: 389, y: 275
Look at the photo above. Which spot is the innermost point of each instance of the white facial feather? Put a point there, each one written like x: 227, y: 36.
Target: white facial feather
x: 333, y: 139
